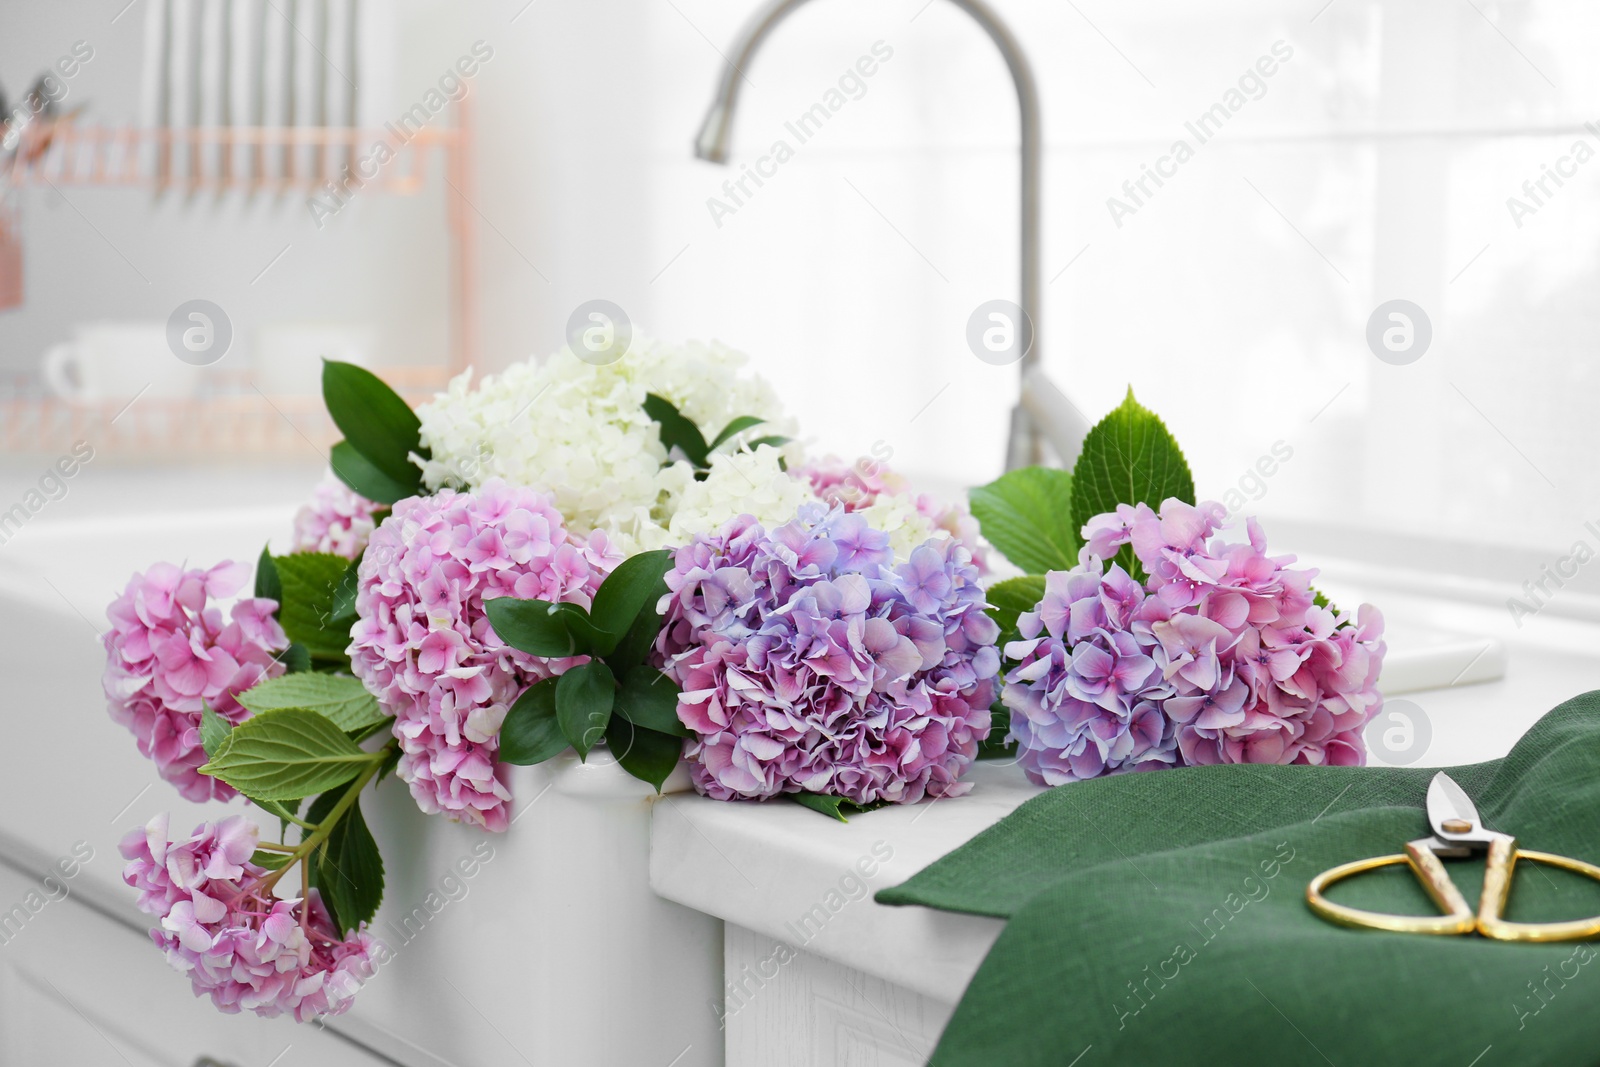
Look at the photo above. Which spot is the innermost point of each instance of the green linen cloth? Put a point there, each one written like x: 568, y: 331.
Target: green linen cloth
x: 1161, y: 919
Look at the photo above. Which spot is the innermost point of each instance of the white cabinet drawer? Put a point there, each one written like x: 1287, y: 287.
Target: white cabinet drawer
x: 77, y: 987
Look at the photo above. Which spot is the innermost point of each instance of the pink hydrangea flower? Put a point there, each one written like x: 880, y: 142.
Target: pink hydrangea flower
x: 423, y: 645
x: 220, y: 925
x: 336, y: 519
x: 1248, y: 669
x: 810, y: 663
x: 856, y: 486
x: 169, y: 653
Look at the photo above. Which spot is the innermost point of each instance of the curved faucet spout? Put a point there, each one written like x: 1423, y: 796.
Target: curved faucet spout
x: 715, y: 133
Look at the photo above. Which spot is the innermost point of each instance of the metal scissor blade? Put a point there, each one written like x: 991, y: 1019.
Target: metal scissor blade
x: 1451, y: 812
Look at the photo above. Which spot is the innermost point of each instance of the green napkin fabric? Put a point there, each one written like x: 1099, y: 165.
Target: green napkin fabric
x: 1161, y: 919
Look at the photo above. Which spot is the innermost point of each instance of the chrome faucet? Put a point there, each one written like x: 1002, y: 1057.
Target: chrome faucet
x: 1023, y: 443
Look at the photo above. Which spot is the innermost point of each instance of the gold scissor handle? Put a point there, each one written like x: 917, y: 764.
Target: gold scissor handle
x: 1503, y: 857
x: 1458, y: 917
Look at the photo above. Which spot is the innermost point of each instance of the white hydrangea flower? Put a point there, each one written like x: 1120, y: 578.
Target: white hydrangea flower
x: 896, y: 514
x: 580, y: 432
x: 742, y: 483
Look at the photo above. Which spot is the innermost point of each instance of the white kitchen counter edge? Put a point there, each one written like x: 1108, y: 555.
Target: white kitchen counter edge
x: 791, y: 874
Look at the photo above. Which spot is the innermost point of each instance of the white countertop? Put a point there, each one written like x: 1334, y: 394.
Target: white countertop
x: 764, y: 866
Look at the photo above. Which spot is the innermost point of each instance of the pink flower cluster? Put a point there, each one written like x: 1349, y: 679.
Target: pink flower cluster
x: 1221, y: 656
x: 810, y: 663
x: 239, y: 945
x: 336, y: 520
x: 423, y: 644
x: 859, y: 485
x: 169, y: 653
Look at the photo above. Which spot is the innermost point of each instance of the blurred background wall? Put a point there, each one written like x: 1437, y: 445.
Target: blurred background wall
x: 1375, y: 162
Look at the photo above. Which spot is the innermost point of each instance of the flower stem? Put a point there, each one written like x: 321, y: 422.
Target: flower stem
x: 306, y: 847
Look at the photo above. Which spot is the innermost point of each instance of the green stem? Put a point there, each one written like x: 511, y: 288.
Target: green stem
x: 325, y: 827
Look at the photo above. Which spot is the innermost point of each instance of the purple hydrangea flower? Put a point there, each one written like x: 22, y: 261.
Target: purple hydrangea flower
x: 809, y: 662
x: 1085, y: 696
x: 1247, y: 669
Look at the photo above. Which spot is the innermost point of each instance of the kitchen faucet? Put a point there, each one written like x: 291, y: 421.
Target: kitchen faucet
x: 1023, y: 442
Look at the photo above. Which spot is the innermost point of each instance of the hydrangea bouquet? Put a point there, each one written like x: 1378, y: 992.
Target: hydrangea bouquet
x: 636, y: 557
x: 1156, y: 631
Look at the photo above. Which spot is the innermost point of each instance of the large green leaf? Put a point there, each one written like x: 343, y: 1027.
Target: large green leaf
x: 1027, y: 515
x: 344, y: 594
x: 584, y: 698
x: 296, y: 658
x: 541, y: 628
x: 635, y: 645
x: 214, y: 731
x: 1011, y: 598
x: 1128, y: 458
x: 677, y: 430
x: 349, y: 871
x: 309, y: 582
x: 359, y: 473
x: 267, y: 584
x: 342, y: 700
x: 649, y: 698
x: 648, y: 755
x: 287, y: 754
x: 626, y: 592
x: 531, y: 732
x: 375, y: 421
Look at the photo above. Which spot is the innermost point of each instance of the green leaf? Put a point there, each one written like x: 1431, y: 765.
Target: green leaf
x: 287, y: 754
x: 541, y: 628
x: 739, y: 425
x: 270, y: 860
x: 776, y: 441
x: 648, y: 755
x: 391, y: 760
x: 531, y: 733
x: 342, y: 700
x: 349, y: 871
x: 676, y: 429
x: 361, y: 733
x: 641, y: 636
x: 625, y: 593
x: 267, y: 584
x: 1027, y: 515
x: 584, y: 697
x: 1128, y: 458
x: 649, y: 698
x: 834, y: 806
x: 375, y: 421
x: 994, y: 746
x: 356, y: 471
x: 296, y: 658
x: 344, y: 594
x: 309, y: 580
x: 1011, y: 598
x: 214, y: 731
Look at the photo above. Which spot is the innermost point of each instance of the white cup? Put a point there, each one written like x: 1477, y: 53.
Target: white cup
x: 289, y: 355
x: 109, y: 362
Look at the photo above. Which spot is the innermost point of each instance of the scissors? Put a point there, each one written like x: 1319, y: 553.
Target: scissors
x: 1457, y: 831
